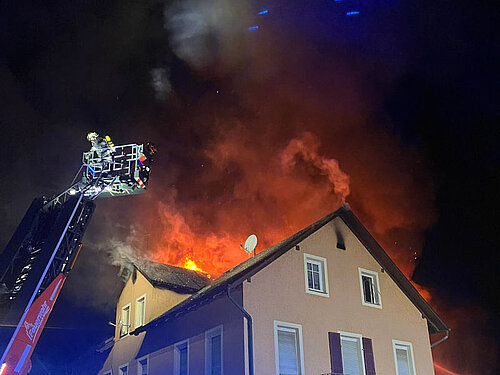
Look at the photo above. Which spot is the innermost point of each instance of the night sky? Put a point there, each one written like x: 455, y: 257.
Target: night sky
x: 401, y: 98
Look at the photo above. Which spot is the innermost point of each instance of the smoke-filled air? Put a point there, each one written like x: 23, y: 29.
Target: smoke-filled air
x: 284, y: 132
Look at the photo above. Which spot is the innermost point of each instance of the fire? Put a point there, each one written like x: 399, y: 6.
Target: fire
x: 287, y: 137
x: 190, y: 264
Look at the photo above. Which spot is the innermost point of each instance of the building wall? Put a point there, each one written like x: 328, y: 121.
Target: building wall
x: 157, y: 300
x: 278, y: 293
x: 158, y: 342
x: 123, y: 352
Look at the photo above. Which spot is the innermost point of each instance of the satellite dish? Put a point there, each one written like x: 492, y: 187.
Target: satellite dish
x: 250, y: 243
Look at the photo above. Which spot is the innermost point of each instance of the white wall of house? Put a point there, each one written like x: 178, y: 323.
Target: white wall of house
x: 278, y: 293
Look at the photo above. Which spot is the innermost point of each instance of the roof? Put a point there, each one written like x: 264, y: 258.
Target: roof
x: 236, y: 275
x: 165, y: 276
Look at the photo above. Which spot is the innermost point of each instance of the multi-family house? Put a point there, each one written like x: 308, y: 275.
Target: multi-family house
x: 327, y: 300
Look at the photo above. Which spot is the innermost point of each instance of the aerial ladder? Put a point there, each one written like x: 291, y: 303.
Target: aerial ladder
x: 45, y: 245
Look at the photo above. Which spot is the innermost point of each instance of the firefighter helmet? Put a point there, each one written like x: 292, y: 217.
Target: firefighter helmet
x: 92, y: 136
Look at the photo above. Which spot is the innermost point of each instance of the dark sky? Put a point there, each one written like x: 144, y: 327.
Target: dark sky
x: 403, y: 95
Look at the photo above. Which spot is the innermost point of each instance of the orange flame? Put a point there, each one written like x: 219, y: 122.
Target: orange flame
x: 190, y: 264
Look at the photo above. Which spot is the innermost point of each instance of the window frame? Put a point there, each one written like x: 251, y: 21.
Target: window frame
x: 322, y: 262
x: 126, y: 364
x: 120, y: 320
x: 177, y: 355
x: 135, y: 312
x: 409, y: 349
x: 109, y: 372
x: 355, y: 337
x: 146, y: 357
x: 376, y: 283
x: 296, y: 328
x: 208, y: 349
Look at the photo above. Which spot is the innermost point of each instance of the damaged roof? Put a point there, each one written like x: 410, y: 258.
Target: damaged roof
x: 165, y: 276
x: 241, y: 272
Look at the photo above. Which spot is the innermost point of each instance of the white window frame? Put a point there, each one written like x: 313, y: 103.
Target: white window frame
x: 110, y: 372
x: 288, y: 326
x: 120, y: 320
x: 177, y: 362
x: 136, y: 324
x: 397, y: 344
x: 314, y: 259
x: 208, y: 348
x: 126, y: 364
x: 358, y: 337
x: 146, y: 357
x: 378, y: 296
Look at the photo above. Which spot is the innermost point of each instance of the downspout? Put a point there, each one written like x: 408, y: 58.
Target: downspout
x: 249, y: 329
x: 441, y: 339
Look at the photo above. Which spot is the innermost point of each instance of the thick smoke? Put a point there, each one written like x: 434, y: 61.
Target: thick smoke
x: 262, y: 131
x: 288, y: 135
x: 205, y: 31
x: 271, y: 193
x: 274, y: 147
x: 160, y: 81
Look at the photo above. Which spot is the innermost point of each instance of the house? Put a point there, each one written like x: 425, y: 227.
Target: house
x: 327, y: 300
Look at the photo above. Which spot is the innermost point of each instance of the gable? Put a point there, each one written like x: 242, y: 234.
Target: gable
x: 434, y: 322
x: 344, y: 268
x: 284, y: 280
x: 279, y: 292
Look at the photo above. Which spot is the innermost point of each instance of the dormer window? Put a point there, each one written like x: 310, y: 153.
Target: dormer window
x: 370, y: 288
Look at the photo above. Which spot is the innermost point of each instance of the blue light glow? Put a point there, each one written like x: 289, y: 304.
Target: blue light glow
x: 253, y: 28
x: 89, y: 167
x: 352, y: 13
x: 265, y: 11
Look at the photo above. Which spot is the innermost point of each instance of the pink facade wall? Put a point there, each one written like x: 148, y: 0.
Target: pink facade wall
x: 278, y: 293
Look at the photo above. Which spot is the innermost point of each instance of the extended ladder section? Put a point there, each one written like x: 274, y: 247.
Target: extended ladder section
x: 46, y: 244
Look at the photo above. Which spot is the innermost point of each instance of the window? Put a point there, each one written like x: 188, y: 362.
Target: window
x: 213, y: 350
x: 352, y: 354
x: 125, y: 321
x: 140, y: 311
x: 403, y: 356
x: 123, y: 370
x: 370, y: 289
x: 108, y: 373
x: 181, y: 358
x: 316, y: 275
x: 288, y: 348
x: 142, y: 366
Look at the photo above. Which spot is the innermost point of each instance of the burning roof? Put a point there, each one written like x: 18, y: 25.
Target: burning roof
x: 165, y: 276
x: 245, y: 270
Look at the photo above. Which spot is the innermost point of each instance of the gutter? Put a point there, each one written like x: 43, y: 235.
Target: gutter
x: 442, y: 339
x: 249, y: 328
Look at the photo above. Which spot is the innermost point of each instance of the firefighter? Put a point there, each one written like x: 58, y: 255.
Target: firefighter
x: 101, y: 146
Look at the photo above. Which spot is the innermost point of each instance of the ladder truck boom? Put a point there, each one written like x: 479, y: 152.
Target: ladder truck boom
x: 45, y: 245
